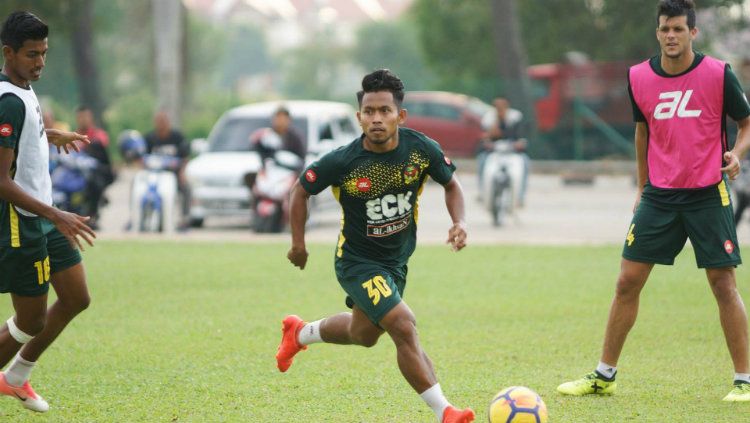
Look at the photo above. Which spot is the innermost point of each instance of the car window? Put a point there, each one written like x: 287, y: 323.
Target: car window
x: 432, y: 109
x: 325, y: 132
x: 234, y: 134
x: 347, y: 126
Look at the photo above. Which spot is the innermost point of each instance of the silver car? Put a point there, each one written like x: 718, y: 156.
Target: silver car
x: 217, y: 175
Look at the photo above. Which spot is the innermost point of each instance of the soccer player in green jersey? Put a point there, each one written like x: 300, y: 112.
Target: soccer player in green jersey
x: 376, y: 179
x: 37, y: 241
x: 681, y: 99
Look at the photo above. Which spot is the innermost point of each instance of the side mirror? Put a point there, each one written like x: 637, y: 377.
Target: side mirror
x: 198, y: 146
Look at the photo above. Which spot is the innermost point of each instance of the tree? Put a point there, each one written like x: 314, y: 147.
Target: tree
x: 511, y: 56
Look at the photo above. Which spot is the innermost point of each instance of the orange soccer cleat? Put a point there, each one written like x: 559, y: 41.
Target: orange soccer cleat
x: 452, y: 414
x: 29, y: 399
x: 289, y: 345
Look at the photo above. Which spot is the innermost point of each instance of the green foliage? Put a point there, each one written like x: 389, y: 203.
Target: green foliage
x: 314, y: 71
x: 457, y: 35
x: 394, y: 45
x: 187, y: 332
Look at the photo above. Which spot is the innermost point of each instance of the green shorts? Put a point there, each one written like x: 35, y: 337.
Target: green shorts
x: 26, y: 270
x: 375, y: 289
x: 657, y: 235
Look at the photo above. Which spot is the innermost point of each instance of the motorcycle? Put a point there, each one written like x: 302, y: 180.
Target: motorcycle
x: 503, y: 176
x: 154, y: 194
x: 71, y: 174
x: 270, y: 190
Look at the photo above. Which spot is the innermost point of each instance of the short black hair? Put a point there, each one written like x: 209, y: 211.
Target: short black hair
x: 674, y: 8
x: 282, y: 110
x: 382, y: 80
x: 83, y: 108
x: 22, y: 26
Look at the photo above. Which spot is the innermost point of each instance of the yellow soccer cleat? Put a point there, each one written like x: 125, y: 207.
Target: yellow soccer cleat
x: 741, y: 392
x: 591, y: 384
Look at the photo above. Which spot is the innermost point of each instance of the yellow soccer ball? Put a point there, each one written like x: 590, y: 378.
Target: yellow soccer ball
x: 517, y: 404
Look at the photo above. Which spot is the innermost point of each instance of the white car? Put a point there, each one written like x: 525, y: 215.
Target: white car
x: 217, y: 175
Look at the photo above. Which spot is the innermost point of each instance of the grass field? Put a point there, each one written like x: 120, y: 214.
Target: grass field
x: 188, y: 333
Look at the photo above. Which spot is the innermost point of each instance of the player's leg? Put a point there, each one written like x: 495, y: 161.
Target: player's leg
x: 654, y: 236
x: 624, y: 309
x: 732, y: 315
x: 416, y: 367
x: 17, y: 331
x: 343, y: 328
x: 72, y: 298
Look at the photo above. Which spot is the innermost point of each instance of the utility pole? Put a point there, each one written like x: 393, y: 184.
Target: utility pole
x: 169, y: 40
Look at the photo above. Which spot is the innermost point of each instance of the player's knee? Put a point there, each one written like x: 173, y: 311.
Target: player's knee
x: 77, y: 304
x: 627, y: 286
x: 365, y: 339
x: 403, y: 330
x: 22, y: 330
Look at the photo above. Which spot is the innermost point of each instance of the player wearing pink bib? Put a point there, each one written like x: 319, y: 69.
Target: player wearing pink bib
x: 680, y: 100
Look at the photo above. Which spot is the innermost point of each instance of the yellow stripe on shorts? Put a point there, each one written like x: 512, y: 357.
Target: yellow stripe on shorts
x: 724, y: 193
x: 15, y: 234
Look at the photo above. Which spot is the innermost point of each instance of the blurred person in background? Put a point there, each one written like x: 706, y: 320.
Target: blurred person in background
x: 505, y: 125
x: 168, y: 141
x: 288, y: 138
x: 104, y: 174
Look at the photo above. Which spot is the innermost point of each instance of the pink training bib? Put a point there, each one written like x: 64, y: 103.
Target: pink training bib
x: 686, y: 139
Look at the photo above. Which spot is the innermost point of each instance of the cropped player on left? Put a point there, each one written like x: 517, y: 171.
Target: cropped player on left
x: 38, y: 243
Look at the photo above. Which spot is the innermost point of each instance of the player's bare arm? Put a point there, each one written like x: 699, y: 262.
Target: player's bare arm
x: 71, y: 225
x: 65, y: 139
x: 454, y: 201
x: 297, y: 255
x: 641, y: 145
x: 732, y: 158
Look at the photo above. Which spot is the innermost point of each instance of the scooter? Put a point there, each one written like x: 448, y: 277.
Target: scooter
x: 270, y: 191
x: 154, y: 194
x: 503, y: 174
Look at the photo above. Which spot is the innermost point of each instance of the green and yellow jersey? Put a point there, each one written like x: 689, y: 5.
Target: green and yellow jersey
x: 378, y: 193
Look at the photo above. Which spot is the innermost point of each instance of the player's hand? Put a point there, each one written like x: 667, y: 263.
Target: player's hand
x: 457, y: 236
x: 732, y: 169
x: 64, y: 140
x: 298, y: 256
x: 74, y: 228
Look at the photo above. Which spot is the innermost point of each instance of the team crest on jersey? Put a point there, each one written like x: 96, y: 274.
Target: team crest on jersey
x: 411, y: 173
x: 6, y: 130
x: 364, y: 184
x: 311, y: 176
x: 728, y: 247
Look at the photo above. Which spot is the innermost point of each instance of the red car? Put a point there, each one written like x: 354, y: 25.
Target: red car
x: 453, y: 120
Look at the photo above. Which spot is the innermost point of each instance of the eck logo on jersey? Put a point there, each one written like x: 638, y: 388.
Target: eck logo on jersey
x: 677, y: 103
x: 388, y: 214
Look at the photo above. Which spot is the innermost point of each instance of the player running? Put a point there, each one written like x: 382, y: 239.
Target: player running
x: 37, y: 241
x: 680, y: 100
x: 377, y: 179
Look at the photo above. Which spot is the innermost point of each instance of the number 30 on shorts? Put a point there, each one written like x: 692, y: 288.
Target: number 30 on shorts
x: 42, y: 270
x: 377, y: 287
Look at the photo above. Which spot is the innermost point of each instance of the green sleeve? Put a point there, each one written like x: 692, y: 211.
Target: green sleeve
x: 735, y: 101
x: 321, y: 173
x: 12, y: 115
x: 637, y: 113
x: 441, y: 167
